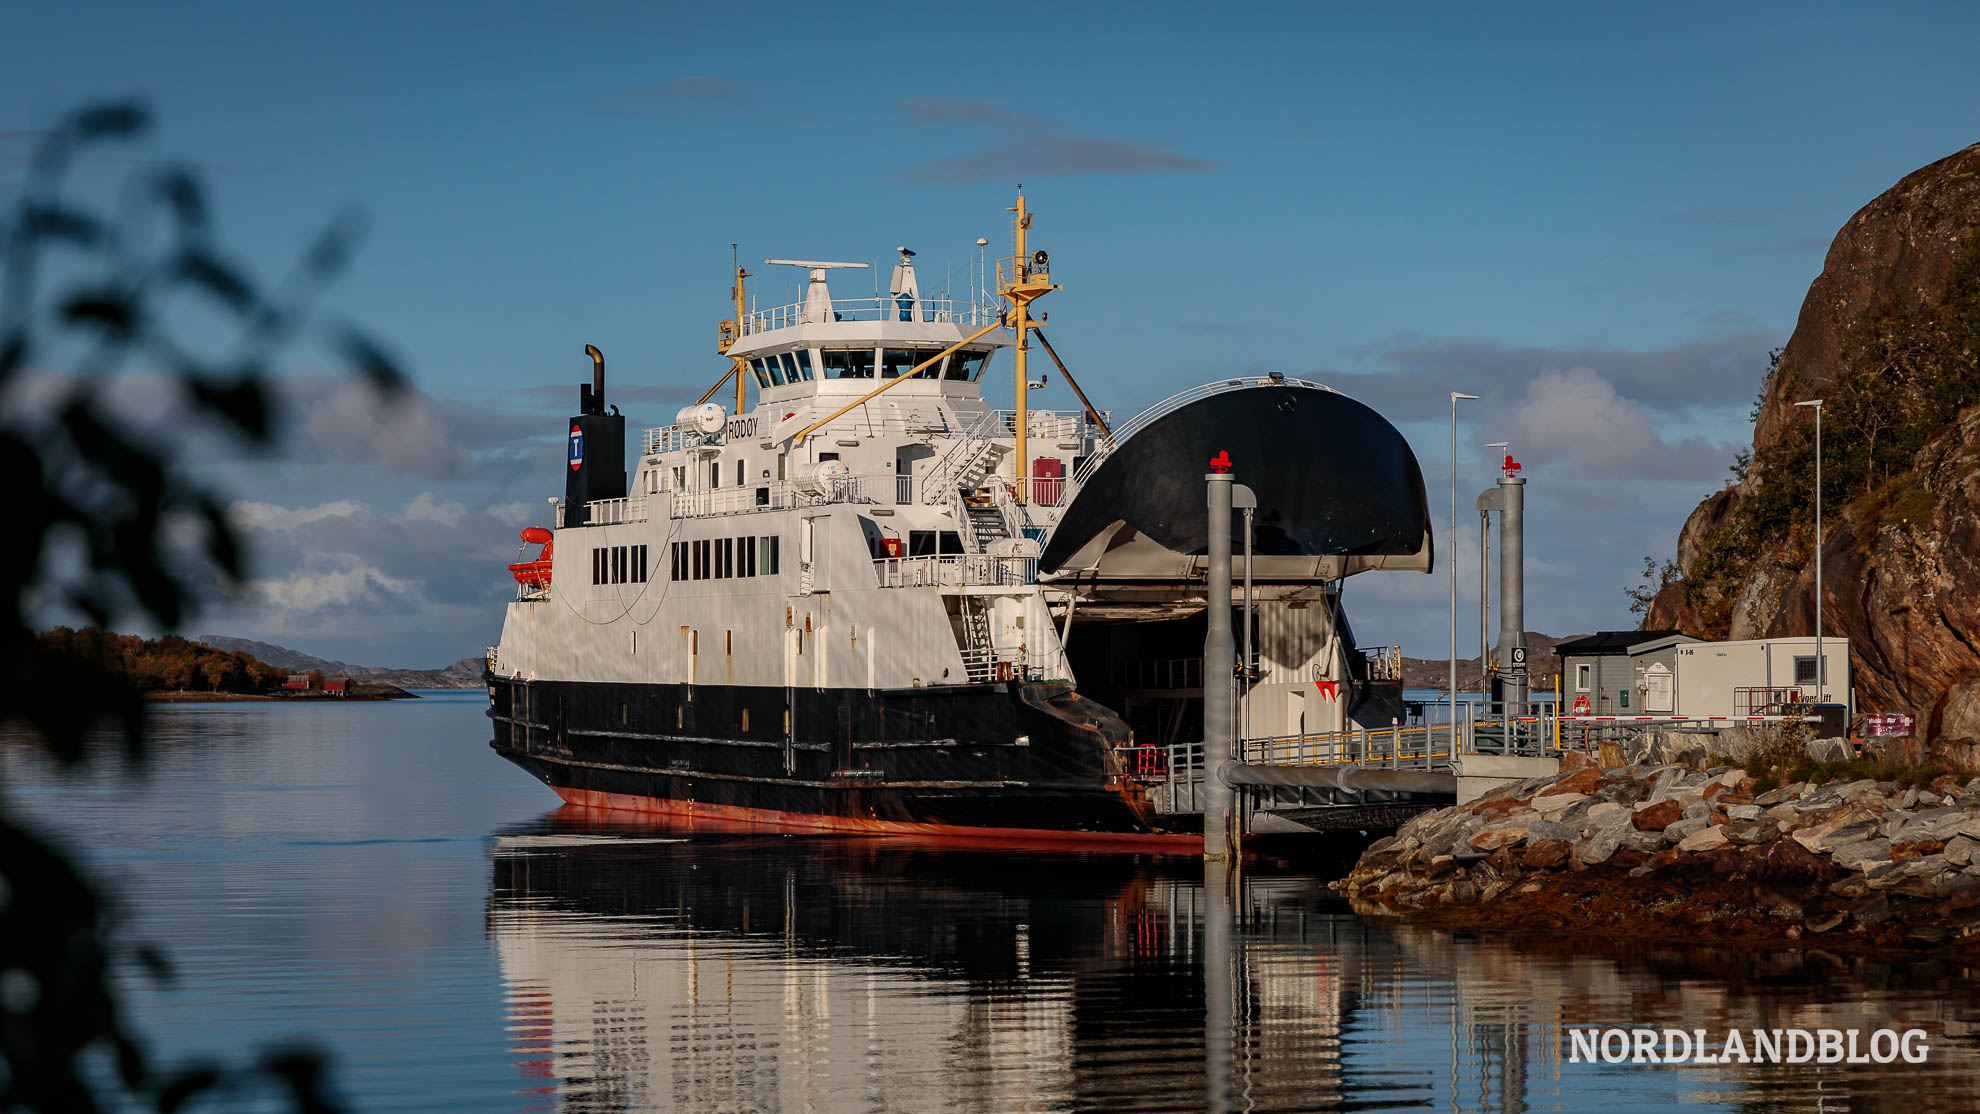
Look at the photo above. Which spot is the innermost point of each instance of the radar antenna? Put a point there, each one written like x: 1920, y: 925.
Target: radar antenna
x: 817, y: 295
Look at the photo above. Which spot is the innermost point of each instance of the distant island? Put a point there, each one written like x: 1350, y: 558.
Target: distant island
x: 174, y: 669
x: 463, y: 674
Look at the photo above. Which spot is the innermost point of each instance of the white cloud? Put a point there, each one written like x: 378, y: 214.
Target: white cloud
x: 426, y: 508
x: 305, y: 592
x: 352, y: 421
x: 250, y: 516
x: 1577, y: 418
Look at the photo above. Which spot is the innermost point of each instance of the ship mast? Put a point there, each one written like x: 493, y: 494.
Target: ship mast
x: 1023, y: 279
x: 726, y: 335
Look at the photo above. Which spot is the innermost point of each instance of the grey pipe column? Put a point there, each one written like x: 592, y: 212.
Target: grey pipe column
x: 1243, y: 498
x: 1512, y: 588
x: 1219, y: 703
x: 1220, y: 978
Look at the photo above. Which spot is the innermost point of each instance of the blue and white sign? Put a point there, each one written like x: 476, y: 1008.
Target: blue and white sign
x: 577, y: 448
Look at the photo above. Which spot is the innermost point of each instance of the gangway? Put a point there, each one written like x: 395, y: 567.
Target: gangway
x: 1374, y: 779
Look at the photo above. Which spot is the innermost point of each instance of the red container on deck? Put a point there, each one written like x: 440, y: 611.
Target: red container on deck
x: 1048, y: 480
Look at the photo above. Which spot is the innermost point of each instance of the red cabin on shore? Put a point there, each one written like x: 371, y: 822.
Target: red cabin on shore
x: 297, y: 681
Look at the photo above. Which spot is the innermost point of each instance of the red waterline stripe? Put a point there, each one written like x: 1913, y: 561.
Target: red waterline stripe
x: 804, y: 821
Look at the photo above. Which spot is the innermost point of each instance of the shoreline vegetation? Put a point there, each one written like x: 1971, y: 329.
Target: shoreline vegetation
x: 1795, y: 845
x: 176, y: 670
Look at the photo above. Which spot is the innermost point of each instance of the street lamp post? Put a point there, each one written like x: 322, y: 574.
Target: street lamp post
x: 1821, y: 666
x: 1453, y: 563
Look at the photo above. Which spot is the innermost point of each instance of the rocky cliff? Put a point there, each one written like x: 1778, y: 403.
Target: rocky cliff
x: 1889, y: 337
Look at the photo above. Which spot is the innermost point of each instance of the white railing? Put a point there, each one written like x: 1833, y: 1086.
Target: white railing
x: 1008, y: 509
x: 778, y: 496
x: 611, y: 512
x: 940, y: 482
x: 667, y: 439
x: 958, y: 511
x: 1384, y: 662
x: 995, y: 663
x: 940, y: 310
x: 956, y: 570
x: 672, y: 438
x: 1176, y: 402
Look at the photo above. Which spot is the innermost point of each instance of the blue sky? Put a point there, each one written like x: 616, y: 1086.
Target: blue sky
x: 1598, y: 219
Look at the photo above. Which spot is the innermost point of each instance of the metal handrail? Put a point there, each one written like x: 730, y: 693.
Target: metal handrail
x: 779, y: 495
x: 941, y: 479
x: 955, y: 570
x: 922, y: 310
x: 612, y: 512
x: 993, y: 663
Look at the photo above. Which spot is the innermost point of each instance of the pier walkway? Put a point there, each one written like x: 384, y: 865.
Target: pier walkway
x: 1363, y: 779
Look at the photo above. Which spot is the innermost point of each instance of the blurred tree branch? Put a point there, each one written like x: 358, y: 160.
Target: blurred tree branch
x: 96, y: 522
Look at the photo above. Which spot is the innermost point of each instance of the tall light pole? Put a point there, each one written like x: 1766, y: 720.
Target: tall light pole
x: 1821, y: 666
x: 1453, y: 561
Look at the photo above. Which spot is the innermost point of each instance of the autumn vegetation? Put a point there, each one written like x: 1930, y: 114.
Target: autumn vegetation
x: 169, y: 664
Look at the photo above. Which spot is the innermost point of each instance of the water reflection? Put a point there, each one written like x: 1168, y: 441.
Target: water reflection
x: 646, y: 970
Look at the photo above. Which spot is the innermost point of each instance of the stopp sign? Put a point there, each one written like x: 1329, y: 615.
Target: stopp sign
x: 577, y: 448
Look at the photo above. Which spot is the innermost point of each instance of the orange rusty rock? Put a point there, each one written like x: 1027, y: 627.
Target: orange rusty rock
x: 1581, y: 781
x: 1915, y: 849
x: 1548, y: 854
x: 1657, y: 817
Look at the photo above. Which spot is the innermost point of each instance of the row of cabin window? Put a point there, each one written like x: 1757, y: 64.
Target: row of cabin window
x: 619, y: 564
x: 725, y: 558
x: 777, y: 369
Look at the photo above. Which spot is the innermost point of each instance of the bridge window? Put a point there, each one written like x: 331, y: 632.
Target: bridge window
x: 966, y: 366
x: 768, y: 373
x: 896, y: 362
x: 790, y: 368
x: 848, y: 363
x: 803, y: 356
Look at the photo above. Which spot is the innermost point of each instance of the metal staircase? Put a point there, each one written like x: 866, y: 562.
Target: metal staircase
x: 975, y: 456
x: 979, y: 658
x: 986, y: 523
x: 982, y: 465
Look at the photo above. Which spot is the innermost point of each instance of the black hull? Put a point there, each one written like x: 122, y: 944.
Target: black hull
x: 1015, y: 757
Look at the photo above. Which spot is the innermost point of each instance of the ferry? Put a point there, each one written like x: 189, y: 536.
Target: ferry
x: 870, y: 601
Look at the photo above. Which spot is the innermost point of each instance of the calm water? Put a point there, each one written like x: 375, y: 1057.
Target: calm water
x: 372, y: 878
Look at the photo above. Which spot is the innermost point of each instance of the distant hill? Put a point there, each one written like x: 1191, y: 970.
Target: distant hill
x: 1435, y: 673
x: 463, y: 674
